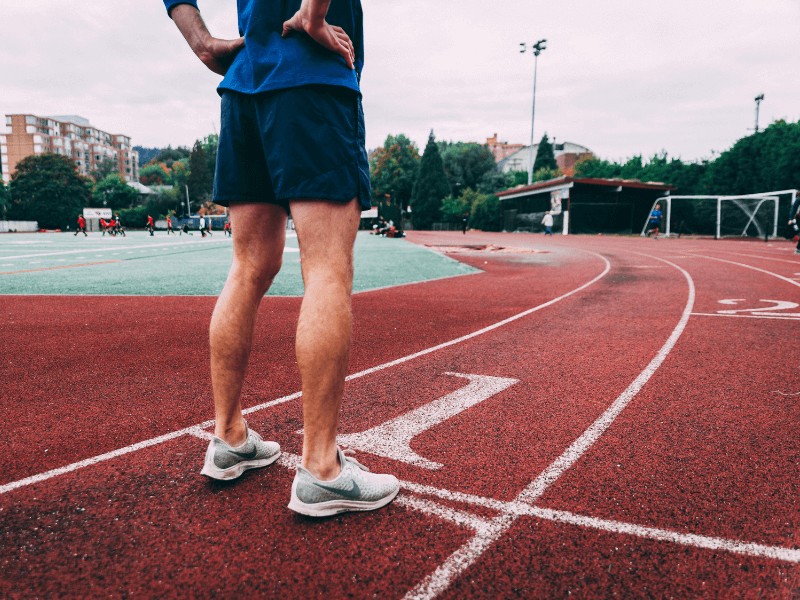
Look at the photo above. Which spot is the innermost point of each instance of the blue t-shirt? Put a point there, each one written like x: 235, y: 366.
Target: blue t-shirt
x: 655, y: 216
x: 270, y: 62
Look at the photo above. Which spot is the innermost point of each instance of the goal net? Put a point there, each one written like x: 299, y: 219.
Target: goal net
x: 750, y: 215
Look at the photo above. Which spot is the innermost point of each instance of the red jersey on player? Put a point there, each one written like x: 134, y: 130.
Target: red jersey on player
x: 150, y: 221
x: 81, y: 222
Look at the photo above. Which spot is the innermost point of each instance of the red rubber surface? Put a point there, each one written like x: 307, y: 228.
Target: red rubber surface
x: 709, y: 445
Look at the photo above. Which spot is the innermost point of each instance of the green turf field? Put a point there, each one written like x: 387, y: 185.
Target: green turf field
x: 141, y: 265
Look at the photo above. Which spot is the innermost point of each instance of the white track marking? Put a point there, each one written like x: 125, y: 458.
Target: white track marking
x: 492, y: 327
x: 653, y: 533
x: 96, y: 459
x: 731, y: 262
x: 63, y: 252
x: 466, y: 555
x: 188, y: 430
x: 784, y: 318
x: 458, y: 517
x: 392, y: 439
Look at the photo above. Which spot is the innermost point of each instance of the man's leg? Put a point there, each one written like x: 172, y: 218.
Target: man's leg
x: 326, y: 232
x: 257, y: 256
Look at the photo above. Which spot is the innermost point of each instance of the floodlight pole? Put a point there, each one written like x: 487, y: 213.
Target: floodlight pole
x: 758, y: 100
x: 537, y: 50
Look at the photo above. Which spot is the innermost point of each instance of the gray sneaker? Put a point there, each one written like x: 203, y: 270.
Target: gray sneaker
x: 355, y: 488
x: 224, y: 462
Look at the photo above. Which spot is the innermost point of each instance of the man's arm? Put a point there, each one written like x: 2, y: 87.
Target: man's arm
x: 215, y: 53
x: 310, y: 19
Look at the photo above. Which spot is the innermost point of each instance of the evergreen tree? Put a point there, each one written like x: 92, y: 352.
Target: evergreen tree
x: 201, y: 180
x: 47, y: 188
x: 545, y: 155
x: 430, y: 188
x: 3, y: 201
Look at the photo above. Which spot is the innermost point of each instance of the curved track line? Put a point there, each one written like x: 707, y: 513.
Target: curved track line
x: 786, y: 279
x: 464, y: 557
x: 193, y: 428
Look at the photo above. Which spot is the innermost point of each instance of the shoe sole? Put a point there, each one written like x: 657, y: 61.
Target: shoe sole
x: 236, y: 470
x: 335, y: 507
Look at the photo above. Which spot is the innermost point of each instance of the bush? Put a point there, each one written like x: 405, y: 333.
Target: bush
x: 487, y: 214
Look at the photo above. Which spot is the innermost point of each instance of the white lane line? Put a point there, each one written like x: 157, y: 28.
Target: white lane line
x: 486, y: 528
x: 64, y: 252
x: 460, y: 560
x: 653, y: 533
x: 746, y: 316
x: 731, y: 262
x: 760, y: 257
x: 94, y: 460
x: 457, y: 517
x: 189, y: 430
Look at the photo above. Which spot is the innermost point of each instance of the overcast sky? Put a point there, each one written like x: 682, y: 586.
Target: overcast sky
x: 622, y: 77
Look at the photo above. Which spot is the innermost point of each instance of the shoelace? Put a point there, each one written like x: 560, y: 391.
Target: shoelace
x: 348, y: 456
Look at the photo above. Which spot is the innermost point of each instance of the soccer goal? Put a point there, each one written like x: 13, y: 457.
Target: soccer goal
x: 748, y: 215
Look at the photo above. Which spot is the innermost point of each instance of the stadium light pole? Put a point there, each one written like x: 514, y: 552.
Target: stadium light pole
x: 537, y: 50
x: 758, y: 100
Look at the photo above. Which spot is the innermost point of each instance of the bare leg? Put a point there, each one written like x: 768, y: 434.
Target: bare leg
x: 257, y: 256
x: 326, y: 232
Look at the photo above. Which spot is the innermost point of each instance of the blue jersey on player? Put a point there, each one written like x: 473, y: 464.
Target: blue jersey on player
x: 655, y: 216
x: 271, y: 62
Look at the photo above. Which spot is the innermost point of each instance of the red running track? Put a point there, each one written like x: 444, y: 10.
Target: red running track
x: 688, y: 487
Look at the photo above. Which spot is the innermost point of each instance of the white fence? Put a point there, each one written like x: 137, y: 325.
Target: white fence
x: 18, y: 226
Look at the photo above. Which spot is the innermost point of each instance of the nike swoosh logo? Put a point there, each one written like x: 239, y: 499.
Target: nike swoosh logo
x: 246, y: 455
x: 354, y: 492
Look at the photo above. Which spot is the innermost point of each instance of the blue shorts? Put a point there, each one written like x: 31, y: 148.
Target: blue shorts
x: 302, y: 143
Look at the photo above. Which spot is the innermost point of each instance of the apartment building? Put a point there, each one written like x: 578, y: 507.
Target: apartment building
x: 69, y: 135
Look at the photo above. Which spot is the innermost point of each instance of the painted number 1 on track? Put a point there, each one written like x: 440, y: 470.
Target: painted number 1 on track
x: 392, y: 439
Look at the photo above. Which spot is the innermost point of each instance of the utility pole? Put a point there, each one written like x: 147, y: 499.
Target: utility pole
x: 537, y: 50
x: 758, y: 99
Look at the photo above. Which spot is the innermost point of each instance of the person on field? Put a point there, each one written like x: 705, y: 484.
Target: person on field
x: 81, y: 226
x: 793, y: 211
x: 291, y: 139
x: 547, y: 222
x: 103, y: 226
x: 203, y: 226
x: 654, y: 222
x: 226, y: 229
x: 169, y: 225
x: 118, y: 227
x: 185, y: 229
x: 112, y: 227
x: 151, y: 225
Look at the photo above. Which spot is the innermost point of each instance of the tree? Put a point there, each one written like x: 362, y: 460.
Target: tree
x: 393, y: 170
x: 47, y: 188
x: 545, y: 174
x: 169, y: 155
x: 200, y: 180
x: 454, y: 209
x: 496, y: 181
x: 114, y: 193
x: 545, y: 156
x: 486, y: 213
x: 155, y: 174
x: 3, y: 201
x: 105, y: 168
x: 430, y: 188
x: 466, y: 164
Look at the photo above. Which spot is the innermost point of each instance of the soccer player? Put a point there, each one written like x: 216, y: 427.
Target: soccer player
x: 226, y: 229
x: 169, y: 225
x: 151, y: 225
x: 795, y: 208
x: 118, y: 227
x: 291, y: 138
x: 81, y: 226
x: 654, y: 221
x: 103, y: 226
x: 112, y: 227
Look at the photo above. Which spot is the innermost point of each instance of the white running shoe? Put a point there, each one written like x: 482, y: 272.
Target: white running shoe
x: 354, y: 489
x: 224, y: 462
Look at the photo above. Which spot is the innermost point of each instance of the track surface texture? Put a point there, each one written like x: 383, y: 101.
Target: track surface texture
x: 588, y: 416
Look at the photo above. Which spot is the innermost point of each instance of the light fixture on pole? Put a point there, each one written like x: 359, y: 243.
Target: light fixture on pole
x: 758, y: 100
x: 537, y: 50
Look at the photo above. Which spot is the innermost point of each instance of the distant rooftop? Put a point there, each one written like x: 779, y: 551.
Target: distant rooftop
x: 78, y: 120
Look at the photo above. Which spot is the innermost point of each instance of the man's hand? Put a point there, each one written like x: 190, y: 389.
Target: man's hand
x: 310, y: 19
x: 215, y: 53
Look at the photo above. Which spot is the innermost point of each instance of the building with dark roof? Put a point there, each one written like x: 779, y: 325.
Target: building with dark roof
x: 582, y: 204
